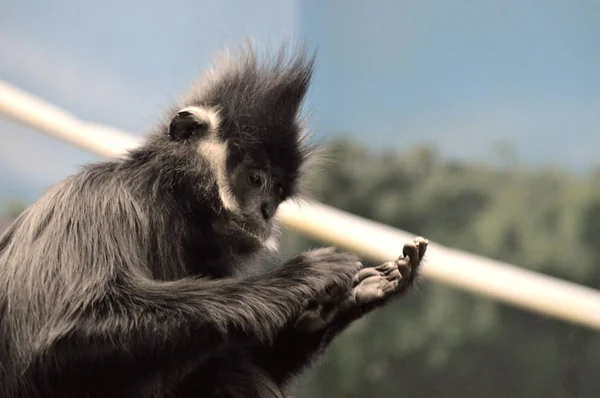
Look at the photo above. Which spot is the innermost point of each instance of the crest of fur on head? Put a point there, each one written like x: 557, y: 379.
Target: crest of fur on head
x: 247, y: 105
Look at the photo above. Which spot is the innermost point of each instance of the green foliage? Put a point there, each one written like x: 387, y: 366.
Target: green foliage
x: 12, y: 208
x: 440, y: 342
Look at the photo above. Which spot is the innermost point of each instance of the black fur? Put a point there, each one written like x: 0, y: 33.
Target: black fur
x: 120, y: 281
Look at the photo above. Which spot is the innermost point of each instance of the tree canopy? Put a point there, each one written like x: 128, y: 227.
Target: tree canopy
x: 441, y: 342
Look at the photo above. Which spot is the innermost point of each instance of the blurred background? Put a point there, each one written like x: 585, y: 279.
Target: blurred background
x: 476, y: 124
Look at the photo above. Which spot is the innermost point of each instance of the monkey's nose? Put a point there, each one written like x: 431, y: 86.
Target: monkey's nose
x: 266, y: 210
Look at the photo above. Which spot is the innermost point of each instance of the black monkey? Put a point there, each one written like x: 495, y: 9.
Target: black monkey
x: 121, y: 281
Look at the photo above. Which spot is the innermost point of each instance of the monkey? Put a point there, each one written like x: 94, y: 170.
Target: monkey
x: 128, y: 278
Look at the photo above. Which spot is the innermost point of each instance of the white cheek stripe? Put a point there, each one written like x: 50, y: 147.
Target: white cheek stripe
x: 215, y: 152
x: 272, y: 243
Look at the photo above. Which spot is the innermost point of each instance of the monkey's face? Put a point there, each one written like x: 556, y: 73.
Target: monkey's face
x: 253, y: 173
x: 261, y: 174
x: 258, y: 186
x: 243, y: 122
x: 257, y: 201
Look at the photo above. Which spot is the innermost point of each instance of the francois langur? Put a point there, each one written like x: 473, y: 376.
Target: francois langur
x: 126, y: 279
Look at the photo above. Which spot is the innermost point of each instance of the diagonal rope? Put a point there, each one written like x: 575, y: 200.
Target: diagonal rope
x: 476, y: 274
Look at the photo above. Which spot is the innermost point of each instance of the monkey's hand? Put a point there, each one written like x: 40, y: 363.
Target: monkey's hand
x: 375, y: 286
x: 322, y: 270
x: 371, y: 288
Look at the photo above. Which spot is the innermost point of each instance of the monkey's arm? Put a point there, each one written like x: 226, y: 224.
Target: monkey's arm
x: 157, y: 320
x: 309, y: 336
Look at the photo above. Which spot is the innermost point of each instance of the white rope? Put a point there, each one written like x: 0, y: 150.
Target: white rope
x: 42, y: 116
x: 479, y: 275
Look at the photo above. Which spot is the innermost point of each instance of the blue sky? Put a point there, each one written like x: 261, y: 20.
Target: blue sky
x: 113, y: 62
x: 464, y: 75
x: 461, y: 75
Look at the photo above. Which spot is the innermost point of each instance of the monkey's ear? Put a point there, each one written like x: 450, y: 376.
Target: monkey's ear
x: 187, y: 123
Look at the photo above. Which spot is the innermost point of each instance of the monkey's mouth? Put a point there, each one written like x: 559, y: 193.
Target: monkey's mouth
x: 249, y: 229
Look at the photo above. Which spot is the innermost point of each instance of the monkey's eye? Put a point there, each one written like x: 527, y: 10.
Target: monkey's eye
x: 254, y: 179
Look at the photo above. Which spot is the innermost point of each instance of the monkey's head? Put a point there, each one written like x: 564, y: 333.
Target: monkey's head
x: 243, y: 121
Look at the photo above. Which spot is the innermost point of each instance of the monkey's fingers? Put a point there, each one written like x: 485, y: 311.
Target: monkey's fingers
x: 364, y: 274
x: 408, y: 262
x: 413, y: 254
x: 422, y: 244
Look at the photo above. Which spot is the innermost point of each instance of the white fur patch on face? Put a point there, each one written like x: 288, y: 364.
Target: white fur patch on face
x: 206, y: 115
x: 272, y: 243
x: 215, y: 152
